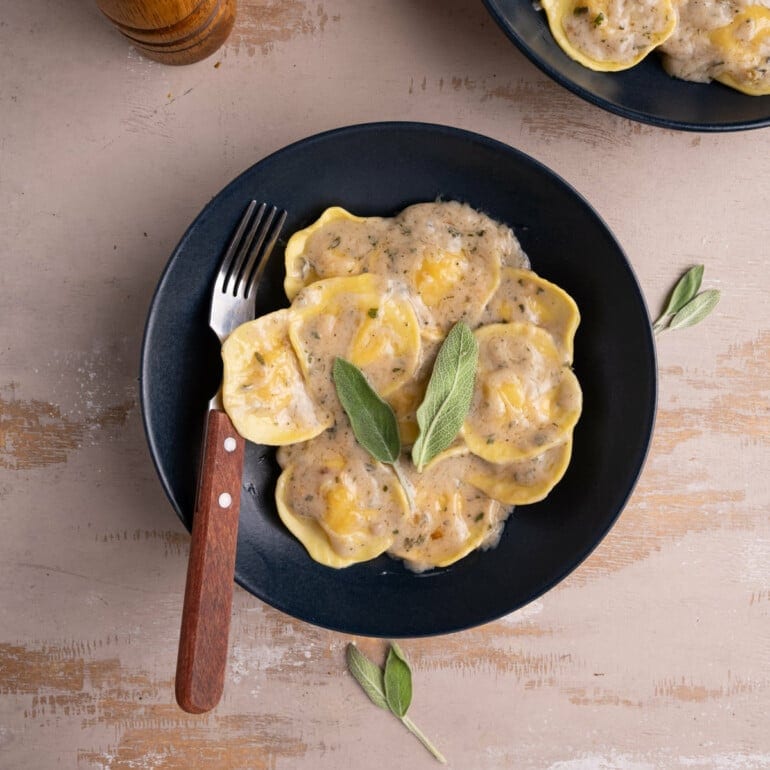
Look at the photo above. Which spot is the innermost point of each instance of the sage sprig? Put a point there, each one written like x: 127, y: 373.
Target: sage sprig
x: 372, y: 418
x: 685, y: 306
x: 448, y: 395
x: 390, y: 689
x: 439, y: 417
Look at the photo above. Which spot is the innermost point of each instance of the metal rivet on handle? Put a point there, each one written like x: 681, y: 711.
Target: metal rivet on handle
x: 230, y: 444
x: 225, y: 500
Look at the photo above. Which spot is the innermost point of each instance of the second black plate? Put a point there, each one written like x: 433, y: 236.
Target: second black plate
x: 644, y: 93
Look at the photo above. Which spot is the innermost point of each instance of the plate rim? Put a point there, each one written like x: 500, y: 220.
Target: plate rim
x: 354, y: 626
x: 625, y: 112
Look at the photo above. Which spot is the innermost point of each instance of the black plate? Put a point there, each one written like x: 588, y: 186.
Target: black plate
x: 644, y: 93
x: 378, y: 169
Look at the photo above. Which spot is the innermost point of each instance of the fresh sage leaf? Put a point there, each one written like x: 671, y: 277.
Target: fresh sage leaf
x: 372, y: 419
x: 374, y: 683
x: 685, y: 306
x: 448, y: 396
x: 398, y: 683
x: 368, y: 675
x: 695, y: 310
x: 686, y: 288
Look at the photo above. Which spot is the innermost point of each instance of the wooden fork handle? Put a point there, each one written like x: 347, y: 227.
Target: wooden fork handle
x: 208, y: 597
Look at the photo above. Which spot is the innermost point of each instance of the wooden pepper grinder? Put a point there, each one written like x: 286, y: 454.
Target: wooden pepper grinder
x: 172, y: 31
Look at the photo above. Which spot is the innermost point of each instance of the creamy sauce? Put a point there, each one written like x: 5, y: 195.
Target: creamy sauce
x: 383, y: 293
x: 447, y: 254
x: 699, y: 40
x: 726, y: 40
x: 615, y: 30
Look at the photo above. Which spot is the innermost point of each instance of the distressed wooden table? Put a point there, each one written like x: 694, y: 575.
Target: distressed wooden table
x: 655, y: 653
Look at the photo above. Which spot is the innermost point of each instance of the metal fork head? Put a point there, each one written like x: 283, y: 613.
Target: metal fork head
x: 233, y: 301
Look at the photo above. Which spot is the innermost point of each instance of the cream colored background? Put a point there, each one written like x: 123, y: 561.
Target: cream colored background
x: 653, y: 654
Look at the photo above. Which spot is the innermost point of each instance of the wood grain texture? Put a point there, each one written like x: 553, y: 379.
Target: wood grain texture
x: 172, y: 31
x: 202, y: 659
x: 655, y: 653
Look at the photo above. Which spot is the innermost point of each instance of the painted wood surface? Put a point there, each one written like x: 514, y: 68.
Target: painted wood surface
x: 655, y: 653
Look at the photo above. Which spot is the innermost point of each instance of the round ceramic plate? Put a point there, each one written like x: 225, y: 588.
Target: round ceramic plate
x: 378, y: 169
x: 644, y: 93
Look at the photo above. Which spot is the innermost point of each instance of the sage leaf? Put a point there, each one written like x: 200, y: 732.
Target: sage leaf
x: 686, y: 288
x: 374, y: 683
x: 398, y: 683
x: 368, y: 675
x: 695, y: 310
x: 372, y: 419
x: 448, y: 395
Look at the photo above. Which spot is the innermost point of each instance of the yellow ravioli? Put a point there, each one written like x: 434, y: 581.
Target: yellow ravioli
x: 299, y: 271
x: 450, y: 519
x: 407, y: 398
x: 526, y: 297
x: 404, y: 402
x: 366, y: 319
x: 453, y: 286
x: 263, y: 390
x: 342, y: 506
x: 524, y: 481
x: 744, y: 45
x: 525, y: 400
x: 607, y: 35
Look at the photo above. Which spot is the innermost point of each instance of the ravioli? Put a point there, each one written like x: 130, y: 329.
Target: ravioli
x: 452, y: 263
x: 406, y: 399
x: 524, y: 296
x: 343, y: 506
x: 318, y: 251
x: 525, y: 481
x: 609, y: 35
x: 448, y: 254
x: 365, y: 319
x: 724, y: 40
x: 451, y: 517
x: 745, y: 47
x: 263, y: 389
x: 526, y: 398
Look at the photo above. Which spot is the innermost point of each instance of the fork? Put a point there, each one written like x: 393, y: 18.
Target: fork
x: 203, y: 640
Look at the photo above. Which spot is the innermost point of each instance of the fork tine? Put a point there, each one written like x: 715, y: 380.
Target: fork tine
x: 251, y: 253
x: 234, y: 277
x: 256, y: 276
x: 232, y: 248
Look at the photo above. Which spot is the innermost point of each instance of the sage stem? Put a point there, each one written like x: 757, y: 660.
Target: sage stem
x: 405, y: 484
x: 420, y: 735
